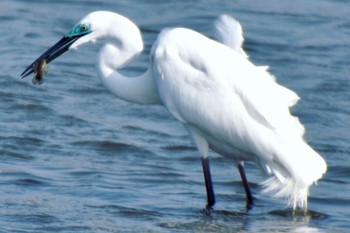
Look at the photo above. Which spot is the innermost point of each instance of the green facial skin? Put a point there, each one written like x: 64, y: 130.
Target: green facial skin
x: 79, y: 30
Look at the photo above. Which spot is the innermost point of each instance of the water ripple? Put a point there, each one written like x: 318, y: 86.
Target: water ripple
x: 74, y: 158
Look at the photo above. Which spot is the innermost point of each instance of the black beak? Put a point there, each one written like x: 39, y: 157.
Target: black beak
x: 52, y: 53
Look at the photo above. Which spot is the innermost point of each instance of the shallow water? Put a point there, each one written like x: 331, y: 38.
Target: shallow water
x: 77, y: 159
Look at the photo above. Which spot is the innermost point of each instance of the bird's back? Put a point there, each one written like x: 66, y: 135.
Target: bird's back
x: 238, y: 107
x: 201, y: 79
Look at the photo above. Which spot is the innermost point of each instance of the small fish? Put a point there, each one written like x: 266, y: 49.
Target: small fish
x: 40, y: 69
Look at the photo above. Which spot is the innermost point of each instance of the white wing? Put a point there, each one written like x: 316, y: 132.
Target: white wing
x: 191, y: 61
x: 235, y: 106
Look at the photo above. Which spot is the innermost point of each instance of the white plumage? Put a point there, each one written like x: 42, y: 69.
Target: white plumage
x: 235, y: 107
x: 224, y: 101
x: 229, y: 32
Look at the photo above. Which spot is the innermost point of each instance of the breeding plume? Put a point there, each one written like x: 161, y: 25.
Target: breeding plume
x: 225, y: 102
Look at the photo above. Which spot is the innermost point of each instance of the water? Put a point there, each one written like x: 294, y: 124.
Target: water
x: 76, y: 159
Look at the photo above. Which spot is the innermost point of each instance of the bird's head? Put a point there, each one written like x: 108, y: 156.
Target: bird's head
x: 94, y: 26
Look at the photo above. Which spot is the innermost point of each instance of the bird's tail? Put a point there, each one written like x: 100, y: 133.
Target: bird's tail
x: 293, y: 172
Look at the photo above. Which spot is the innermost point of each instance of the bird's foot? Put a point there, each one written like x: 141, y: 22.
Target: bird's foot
x: 208, y: 210
x: 250, y: 203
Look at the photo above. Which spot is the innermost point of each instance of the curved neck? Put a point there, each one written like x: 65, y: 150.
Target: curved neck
x: 141, y: 89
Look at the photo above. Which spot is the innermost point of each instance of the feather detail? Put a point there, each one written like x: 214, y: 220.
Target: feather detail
x: 293, y: 170
x: 289, y: 190
x: 229, y: 32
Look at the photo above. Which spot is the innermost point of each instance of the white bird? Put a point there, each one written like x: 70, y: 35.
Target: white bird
x: 226, y: 103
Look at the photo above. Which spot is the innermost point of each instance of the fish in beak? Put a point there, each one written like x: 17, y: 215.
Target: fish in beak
x: 39, y: 66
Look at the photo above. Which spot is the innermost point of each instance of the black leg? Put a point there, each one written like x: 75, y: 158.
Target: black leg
x: 246, y: 186
x: 208, y: 183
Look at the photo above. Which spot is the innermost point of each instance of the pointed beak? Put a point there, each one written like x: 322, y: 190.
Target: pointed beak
x: 52, y: 53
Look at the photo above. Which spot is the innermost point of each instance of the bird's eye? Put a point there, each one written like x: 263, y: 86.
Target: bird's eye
x: 84, y: 27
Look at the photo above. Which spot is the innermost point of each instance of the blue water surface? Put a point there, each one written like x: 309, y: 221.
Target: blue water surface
x: 74, y: 158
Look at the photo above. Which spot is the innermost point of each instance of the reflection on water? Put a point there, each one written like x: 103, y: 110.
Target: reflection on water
x: 277, y: 221
x: 76, y: 159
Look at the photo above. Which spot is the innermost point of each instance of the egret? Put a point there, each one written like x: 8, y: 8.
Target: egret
x: 225, y: 102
